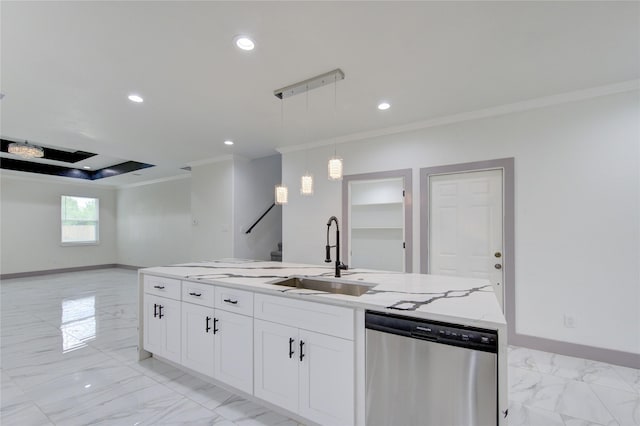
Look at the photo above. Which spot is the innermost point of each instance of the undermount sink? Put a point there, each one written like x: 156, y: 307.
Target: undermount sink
x: 350, y: 289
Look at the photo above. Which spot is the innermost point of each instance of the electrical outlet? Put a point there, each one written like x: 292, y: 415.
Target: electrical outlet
x: 569, y: 321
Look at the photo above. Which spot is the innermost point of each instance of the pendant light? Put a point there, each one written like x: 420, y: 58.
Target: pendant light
x: 334, y: 167
x: 306, y: 181
x: 335, y: 163
x: 281, y: 191
x: 306, y: 184
x: 281, y: 194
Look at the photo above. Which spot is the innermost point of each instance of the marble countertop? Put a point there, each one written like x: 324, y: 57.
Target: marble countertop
x: 465, y: 301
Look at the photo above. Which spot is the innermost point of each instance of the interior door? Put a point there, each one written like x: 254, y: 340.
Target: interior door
x: 466, y: 226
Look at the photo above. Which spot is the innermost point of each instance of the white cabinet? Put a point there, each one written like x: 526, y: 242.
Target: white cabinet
x: 215, y: 342
x: 233, y: 360
x: 162, y: 327
x: 307, y: 369
x: 301, y: 370
x: 276, y: 364
x: 198, y: 338
x: 326, y: 379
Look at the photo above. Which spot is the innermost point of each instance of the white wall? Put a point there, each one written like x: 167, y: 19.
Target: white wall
x: 30, y: 225
x: 577, y: 195
x: 212, y: 210
x: 154, y: 223
x: 253, y: 190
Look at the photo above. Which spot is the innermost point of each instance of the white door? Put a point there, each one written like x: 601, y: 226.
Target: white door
x: 234, y: 350
x: 327, y: 379
x: 197, y: 338
x: 465, y: 226
x: 276, y: 364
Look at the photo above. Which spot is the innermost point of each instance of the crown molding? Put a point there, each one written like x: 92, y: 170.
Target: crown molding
x: 562, y: 98
x: 33, y: 177
x: 211, y: 160
x: 153, y: 181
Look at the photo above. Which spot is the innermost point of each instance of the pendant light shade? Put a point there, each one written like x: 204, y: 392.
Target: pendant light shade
x: 282, y: 194
x: 306, y: 184
x: 335, y: 168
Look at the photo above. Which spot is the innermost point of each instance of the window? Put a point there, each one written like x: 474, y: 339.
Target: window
x: 79, y: 220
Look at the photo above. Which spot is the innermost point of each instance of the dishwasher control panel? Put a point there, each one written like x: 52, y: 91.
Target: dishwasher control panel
x: 435, y: 331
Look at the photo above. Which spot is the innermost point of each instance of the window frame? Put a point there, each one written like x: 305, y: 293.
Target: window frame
x: 97, y: 223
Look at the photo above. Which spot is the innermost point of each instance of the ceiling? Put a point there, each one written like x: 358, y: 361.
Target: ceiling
x: 68, y: 67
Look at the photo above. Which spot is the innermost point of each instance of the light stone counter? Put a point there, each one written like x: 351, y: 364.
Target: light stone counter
x: 464, y: 301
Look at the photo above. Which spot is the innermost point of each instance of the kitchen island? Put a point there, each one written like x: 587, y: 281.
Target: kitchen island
x: 296, y: 349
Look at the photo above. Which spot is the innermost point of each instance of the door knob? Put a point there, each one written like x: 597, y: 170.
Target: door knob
x: 497, y: 254
x: 497, y: 266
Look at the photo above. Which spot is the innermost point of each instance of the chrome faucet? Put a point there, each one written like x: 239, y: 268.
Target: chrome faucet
x: 339, y: 264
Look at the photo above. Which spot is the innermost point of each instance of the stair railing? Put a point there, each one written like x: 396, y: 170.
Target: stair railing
x: 260, y: 218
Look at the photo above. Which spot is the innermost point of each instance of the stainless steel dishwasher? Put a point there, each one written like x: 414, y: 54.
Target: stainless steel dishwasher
x: 427, y: 373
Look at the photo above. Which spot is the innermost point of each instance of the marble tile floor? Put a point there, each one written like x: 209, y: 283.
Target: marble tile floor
x: 68, y: 357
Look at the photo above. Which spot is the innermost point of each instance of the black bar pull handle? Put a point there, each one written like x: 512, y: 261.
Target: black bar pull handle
x: 260, y: 218
x: 195, y: 294
x: 291, y: 351
x: 301, y: 353
x: 160, y: 311
x: 155, y: 310
x: 233, y: 302
x: 215, y: 323
x: 207, y: 326
x: 158, y: 287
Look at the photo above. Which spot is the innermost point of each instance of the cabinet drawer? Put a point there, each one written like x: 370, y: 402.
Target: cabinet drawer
x: 327, y: 319
x: 202, y: 294
x: 165, y: 287
x: 232, y: 300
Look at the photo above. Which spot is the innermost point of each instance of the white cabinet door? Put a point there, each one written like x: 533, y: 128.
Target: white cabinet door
x: 233, y: 360
x: 197, y: 338
x: 152, y: 325
x: 169, y: 313
x: 326, y: 379
x: 276, y: 364
x: 162, y: 327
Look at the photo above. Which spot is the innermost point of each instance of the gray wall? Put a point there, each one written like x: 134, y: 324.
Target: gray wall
x: 577, y: 208
x: 253, y: 191
x: 30, y: 225
x: 154, y: 223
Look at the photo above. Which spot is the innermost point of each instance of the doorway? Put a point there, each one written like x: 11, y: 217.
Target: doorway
x: 376, y: 213
x: 467, y: 224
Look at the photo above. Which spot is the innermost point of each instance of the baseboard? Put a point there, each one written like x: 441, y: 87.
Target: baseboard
x: 610, y: 356
x: 133, y: 268
x: 64, y: 270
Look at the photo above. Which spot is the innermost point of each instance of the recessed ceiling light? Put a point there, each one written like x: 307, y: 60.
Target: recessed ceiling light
x: 244, y: 43
x: 383, y: 106
x: 86, y: 167
x: 227, y: 142
x: 135, y: 98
